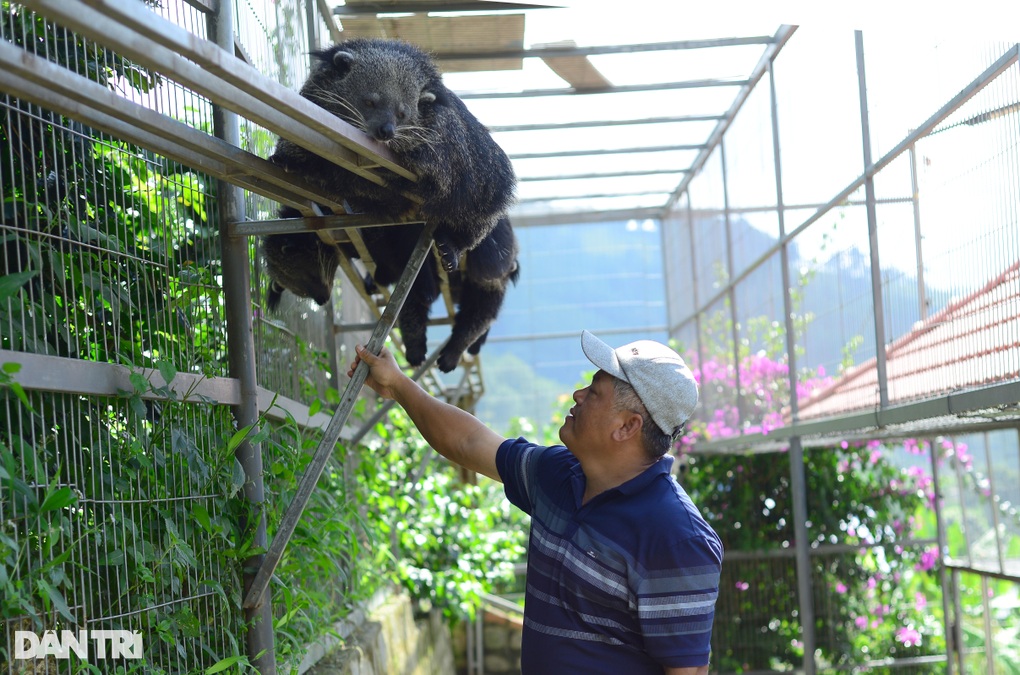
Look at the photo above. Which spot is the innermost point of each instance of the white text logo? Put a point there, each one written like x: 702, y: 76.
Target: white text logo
x: 106, y: 644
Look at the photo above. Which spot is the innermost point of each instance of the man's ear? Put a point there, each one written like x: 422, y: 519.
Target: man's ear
x: 630, y: 427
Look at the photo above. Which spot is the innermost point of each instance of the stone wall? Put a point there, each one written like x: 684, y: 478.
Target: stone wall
x: 384, y: 638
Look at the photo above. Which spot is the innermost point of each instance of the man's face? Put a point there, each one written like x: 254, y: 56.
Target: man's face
x: 591, y: 418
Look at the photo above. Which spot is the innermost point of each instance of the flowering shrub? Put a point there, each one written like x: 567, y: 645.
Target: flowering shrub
x: 872, y: 601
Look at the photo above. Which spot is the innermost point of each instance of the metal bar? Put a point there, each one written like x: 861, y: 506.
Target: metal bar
x: 574, y: 218
x: 418, y: 7
x: 621, y: 89
x: 36, y: 79
x: 362, y: 327
x: 590, y: 195
x: 258, y: 621
x: 877, y: 300
x: 584, y: 124
x: 613, y: 151
x: 343, y: 222
x: 940, y: 531
x: 956, y: 403
x: 222, y: 78
x: 992, y: 574
x: 612, y: 174
x: 1010, y: 57
x: 798, y: 479
x: 544, y: 52
x: 989, y: 636
x: 734, y: 333
x: 993, y: 497
x: 783, y: 36
x: 380, y: 413
x: 595, y: 216
x: 41, y: 372
x: 254, y: 594
x: 958, y: 624
x: 327, y: 17
x: 915, y: 198
x: 699, y: 342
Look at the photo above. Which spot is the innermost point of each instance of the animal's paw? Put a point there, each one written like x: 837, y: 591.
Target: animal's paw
x: 449, y: 256
x: 448, y: 361
x: 415, y: 354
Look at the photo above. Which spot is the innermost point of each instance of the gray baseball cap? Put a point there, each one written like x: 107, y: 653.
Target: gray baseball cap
x: 661, y: 379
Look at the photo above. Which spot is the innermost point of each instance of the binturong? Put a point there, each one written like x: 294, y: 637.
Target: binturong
x: 393, y: 91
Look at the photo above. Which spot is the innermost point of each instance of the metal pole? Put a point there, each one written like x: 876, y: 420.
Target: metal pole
x: 915, y: 197
x: 798, y: 480
x: 734, y: 332
x: 327, y: 443
x: 694, y: 285
x: 241, y: 355
x: 869, y: 198
x: 940, y: 529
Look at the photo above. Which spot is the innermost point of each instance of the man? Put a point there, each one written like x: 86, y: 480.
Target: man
x: 623, y: 572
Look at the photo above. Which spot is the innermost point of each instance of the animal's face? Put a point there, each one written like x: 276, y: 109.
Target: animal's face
x: 376, y: 91
x: 301, y: 263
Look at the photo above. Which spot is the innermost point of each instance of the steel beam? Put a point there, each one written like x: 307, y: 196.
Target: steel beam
x: 255, y: 593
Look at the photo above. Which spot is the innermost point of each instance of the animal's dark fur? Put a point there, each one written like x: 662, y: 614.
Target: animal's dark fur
x: 305, y: 265
x: 301, y: 263
x: 394, y: 92
x: 478, y: 290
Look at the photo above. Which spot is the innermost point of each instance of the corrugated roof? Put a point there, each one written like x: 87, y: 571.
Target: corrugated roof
x: 970, y: 343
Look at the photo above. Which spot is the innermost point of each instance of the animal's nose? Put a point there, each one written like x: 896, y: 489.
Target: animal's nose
x: 385, y: 132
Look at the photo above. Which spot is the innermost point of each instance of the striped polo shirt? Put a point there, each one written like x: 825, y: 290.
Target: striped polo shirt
x: 623, y: 585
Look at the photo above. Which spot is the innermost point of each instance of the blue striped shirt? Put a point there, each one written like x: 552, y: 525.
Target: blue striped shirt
x: 625, y: 584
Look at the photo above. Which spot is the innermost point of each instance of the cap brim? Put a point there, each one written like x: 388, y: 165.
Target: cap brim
x: 602, y: 355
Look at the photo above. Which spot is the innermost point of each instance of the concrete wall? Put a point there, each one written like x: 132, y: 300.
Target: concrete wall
x: 385, y: 639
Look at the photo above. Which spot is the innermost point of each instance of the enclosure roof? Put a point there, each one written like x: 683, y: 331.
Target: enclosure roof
x: 964, y: 345
x: 605, y: 109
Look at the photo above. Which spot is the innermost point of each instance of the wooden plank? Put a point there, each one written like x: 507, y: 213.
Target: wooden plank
x: 578, y: 71
x: 62, y: 375
x: 470, y: 34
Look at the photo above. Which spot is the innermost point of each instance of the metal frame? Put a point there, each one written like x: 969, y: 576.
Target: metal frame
x: 235, y: 89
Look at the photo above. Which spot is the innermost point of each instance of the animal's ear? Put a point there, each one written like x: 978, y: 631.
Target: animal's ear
x: 343, y: 61
x: 426, y: 97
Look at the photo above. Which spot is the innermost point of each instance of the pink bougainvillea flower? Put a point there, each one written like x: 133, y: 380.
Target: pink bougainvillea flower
x: 927, y: 561
x: 908, y: 636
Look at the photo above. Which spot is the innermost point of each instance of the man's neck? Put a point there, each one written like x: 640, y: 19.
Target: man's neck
x: 600, y: 477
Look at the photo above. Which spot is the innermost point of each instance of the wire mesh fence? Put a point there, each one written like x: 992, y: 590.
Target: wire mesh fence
x: 822, y: 297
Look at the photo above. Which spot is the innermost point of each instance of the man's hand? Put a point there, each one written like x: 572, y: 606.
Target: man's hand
x: 452, y: 432
x: 384, y: 374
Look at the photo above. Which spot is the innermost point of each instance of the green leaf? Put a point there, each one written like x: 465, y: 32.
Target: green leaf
x: 315, y: 407
x: 223, y: 664
x: 167, y: 370
x: 58, y: 499
x: 140, y: 384
x: 11, y: 367
x: 202, y: 516
x: 57, y: 598
x: 10, y: 284
x: 238, y: 438
x: 237, y: 479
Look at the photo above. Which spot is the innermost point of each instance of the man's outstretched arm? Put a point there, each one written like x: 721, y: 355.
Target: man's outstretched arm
x: 452, y: 432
